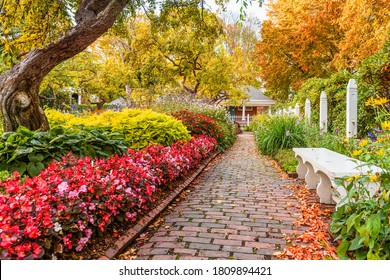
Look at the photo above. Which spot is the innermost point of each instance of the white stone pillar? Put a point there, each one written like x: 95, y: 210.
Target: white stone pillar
x: 297, y: 110
x: 351, y: 129
x: 323, y: 112
x: 269, y: 111
x: 247, y: 120
x: 307, y: 110
x: 243, y: 112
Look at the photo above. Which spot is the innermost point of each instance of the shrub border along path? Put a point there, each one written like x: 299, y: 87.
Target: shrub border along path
x: 133, y: 233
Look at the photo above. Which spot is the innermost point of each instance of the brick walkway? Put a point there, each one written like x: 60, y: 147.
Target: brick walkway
x: 239, y: 209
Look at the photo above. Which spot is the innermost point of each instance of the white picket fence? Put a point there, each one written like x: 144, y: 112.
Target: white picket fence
x: 351, y: 110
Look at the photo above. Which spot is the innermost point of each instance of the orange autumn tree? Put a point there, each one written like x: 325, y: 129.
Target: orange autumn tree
x: 366, y: 26
x: 299, y: 41
x: 304, y: 39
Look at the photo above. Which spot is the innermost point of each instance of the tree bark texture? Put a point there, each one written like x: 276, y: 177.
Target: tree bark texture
x: 19, y: 87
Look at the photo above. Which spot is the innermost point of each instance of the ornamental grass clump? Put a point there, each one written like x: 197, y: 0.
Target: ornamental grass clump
x: 278, y: 132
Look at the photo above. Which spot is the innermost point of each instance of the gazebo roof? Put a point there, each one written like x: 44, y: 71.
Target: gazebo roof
x: 257, y: 98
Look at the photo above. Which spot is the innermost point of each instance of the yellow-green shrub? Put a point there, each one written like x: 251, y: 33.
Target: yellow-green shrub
x: 140, y: 127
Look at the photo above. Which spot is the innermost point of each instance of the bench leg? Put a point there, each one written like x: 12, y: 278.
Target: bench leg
x: 324, y: 189
x: 301, y: 168
x: 310, y: 177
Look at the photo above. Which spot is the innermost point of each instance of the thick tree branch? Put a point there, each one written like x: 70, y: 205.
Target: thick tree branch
x: 21, y: 83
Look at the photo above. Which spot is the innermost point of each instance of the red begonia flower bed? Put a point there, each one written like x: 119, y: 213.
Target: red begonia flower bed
x: 71, y: 201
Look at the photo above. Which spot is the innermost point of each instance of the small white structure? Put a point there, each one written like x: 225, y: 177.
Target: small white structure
x: 296, y: 110
x: 308, y: 110
x: 256, y: 103
x: 351, y: 129
x: 323, y: 112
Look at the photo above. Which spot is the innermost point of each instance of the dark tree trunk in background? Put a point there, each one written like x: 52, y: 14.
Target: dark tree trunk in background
x: 19, y: 87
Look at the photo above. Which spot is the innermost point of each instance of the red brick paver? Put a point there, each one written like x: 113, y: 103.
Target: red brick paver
x: 240, y: 209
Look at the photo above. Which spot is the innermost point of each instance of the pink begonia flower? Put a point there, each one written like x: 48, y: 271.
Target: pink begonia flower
x: 81, y: 225
x: 73, y: 194
x: 83, y: 188
x: 81, y: 243
x: 63, y: 187
x: 88, y: 232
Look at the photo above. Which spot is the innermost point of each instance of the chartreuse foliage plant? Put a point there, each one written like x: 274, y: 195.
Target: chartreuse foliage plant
x: 58, y: 212
x: 139, y: 127
x: 29, y: 152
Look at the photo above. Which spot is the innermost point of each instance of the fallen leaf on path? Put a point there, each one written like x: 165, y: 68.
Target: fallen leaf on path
x: 314, y: 242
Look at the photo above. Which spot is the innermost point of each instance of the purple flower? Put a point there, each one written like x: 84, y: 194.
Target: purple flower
x: 287, y: 133
x: 371, y: 136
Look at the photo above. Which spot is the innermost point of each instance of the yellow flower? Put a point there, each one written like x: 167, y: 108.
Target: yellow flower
x: 380, y: 152
x: 377, y: 101
x: 369, y: 101
x: 373, y: 178
x: 383, y: 139
x: 363, y: 143
x: 386, y: 125
x: 381, y: 101
x: 354, y: 177
x: 356, y: 153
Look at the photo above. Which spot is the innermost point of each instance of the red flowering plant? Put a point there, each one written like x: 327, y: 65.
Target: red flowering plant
x: 198, y: 124
x: 170, y: 163
x: 70, y: 201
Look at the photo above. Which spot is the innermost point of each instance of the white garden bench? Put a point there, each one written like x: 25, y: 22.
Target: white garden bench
x: 320, y: 167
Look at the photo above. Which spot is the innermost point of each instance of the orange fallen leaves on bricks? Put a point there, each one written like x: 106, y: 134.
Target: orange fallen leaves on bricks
x: 314, y: 242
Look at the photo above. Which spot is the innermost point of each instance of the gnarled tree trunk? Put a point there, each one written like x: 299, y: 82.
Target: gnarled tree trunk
x: 19, y: 87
